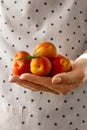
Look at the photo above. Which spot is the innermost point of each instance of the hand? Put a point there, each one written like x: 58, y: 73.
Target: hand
x: 76, y: 77
x: 61, y: 83
x: 29, y: 85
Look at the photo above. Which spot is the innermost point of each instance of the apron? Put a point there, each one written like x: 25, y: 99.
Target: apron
x: 24, y: 24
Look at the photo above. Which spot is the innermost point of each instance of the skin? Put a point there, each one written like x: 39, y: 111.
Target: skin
x: 62, y: 83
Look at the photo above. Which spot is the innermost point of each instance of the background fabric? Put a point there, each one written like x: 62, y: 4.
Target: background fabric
x: 24, y: 24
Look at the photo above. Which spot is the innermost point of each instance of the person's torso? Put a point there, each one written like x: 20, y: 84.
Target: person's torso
x: 24, y: 24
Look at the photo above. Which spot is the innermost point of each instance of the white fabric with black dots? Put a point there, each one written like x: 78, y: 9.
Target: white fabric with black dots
x: 24, y: 24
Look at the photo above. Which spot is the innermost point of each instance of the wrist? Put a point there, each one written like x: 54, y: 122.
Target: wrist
x: 83, y: 56
x: 81, y: 61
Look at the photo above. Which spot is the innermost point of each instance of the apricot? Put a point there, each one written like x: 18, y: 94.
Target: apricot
x: 40, y: 66
x: 21, y: 64
x: 46, y: 49
x: 60, y: 64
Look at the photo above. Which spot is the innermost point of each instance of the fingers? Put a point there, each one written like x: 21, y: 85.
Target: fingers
x: 41, y: 80
x: 44, y: 81
x: 30, y: 85
x: 38, y: 83
x: 25, y: 84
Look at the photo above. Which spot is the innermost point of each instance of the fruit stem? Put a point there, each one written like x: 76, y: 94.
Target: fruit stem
x: 30, y: 57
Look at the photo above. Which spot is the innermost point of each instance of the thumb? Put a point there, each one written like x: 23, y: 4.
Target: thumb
x: 74, y: 76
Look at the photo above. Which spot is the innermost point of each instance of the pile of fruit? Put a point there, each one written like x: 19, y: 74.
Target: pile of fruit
x: 45, y: 61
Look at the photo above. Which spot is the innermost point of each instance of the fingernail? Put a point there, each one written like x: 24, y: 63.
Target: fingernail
x: 57, y: 80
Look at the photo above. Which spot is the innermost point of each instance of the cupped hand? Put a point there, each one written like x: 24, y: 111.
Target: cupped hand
x: 24, y: 82
x: 59, y: 84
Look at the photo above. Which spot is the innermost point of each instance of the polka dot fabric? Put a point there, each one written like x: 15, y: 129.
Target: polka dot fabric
x: 24, y: 24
